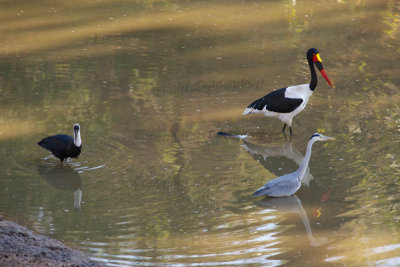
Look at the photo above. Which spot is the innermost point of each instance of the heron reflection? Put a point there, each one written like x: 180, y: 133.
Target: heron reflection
x: 64, y: 178
x: 292, y: 204
x: 272, y: 157
x: 288, y: 184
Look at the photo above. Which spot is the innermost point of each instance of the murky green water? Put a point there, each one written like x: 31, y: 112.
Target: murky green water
x: 152, y: 82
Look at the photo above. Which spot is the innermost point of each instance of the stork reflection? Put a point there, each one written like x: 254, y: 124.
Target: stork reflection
x: 292, y: 204
x: 63, y: 178
x: 271, y: 157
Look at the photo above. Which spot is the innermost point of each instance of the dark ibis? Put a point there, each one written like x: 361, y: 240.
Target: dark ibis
x: 64, y: 146
x: 288, y: 184
x: 285, y: 103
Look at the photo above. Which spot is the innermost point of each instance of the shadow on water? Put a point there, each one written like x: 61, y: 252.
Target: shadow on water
x: 292, y: 204
x: 63, y: 178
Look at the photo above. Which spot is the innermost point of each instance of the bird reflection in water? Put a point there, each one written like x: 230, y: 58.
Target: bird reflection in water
x: 274, y: 156
x: 292, y: 204
x: 288, y: 184
x: 64, y: 178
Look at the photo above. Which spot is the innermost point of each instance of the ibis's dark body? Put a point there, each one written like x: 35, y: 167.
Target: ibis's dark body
x: 61, y: 145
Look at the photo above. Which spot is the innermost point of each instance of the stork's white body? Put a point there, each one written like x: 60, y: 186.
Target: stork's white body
x: 302, y: 92
x: 285, y: 103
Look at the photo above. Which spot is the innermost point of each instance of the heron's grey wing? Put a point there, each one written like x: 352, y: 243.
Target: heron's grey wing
x: 285, y: 185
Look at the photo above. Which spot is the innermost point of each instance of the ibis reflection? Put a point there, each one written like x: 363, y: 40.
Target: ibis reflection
x: 64, y: 178
x: 292, y: 204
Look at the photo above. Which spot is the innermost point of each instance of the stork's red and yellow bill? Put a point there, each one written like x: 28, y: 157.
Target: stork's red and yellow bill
x: 317, y: 58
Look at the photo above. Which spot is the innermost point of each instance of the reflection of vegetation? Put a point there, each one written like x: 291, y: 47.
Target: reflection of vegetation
x: 391, y: 17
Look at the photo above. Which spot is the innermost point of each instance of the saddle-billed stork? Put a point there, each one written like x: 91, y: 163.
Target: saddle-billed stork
x: 285, y: 103
x: 64, y: 146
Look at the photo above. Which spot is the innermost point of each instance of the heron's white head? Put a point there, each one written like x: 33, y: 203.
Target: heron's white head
x: 320, y: 137
x: 77, y: 135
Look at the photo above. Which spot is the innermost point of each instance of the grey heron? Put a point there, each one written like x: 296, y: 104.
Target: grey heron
x: 288, y: 184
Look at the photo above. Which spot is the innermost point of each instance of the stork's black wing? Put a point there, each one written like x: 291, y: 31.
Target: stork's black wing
x: 57, y: 144
x: 277, y: 102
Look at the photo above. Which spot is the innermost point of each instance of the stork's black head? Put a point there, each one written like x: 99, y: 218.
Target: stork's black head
x: 311, y: 52
x: 76, y: 127
x: 313, y: 57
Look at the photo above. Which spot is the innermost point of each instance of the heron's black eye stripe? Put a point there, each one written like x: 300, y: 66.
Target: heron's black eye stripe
x: 314, y: 135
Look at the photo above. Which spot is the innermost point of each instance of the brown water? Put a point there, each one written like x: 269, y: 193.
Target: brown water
x: 152, y: 82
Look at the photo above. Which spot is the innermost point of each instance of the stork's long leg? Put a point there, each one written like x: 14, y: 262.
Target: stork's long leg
x: 290, y: 129
x: 284, y: 127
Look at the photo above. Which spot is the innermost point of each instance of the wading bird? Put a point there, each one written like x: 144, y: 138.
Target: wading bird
x: 288, y: 184
x: 285, y: 103
x: 64, y: 146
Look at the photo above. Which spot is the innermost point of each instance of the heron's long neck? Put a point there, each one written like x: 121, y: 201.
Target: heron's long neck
x: 307, y: 225
x: 304, y: 163
x: 314, y: 79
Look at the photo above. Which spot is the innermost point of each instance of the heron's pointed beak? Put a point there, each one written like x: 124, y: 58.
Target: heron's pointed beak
x: 329, y: 138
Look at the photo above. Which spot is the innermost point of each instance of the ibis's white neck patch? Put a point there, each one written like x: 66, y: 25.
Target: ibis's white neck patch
x: 77, y: 138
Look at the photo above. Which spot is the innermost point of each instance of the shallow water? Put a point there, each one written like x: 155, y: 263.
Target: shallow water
x: 151, y: 83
